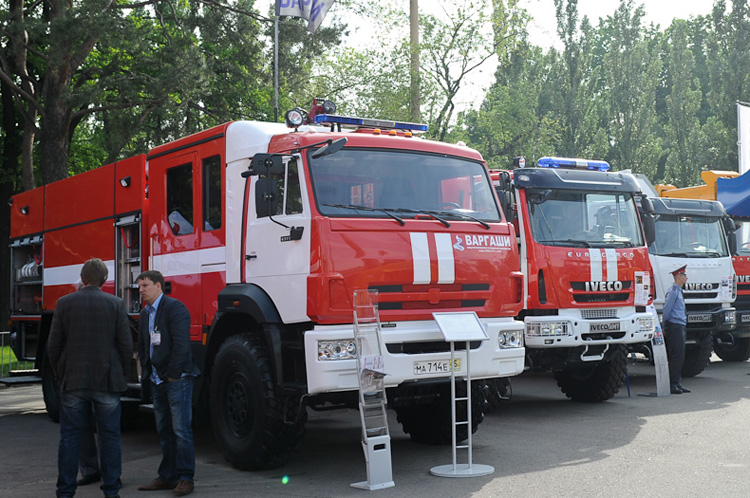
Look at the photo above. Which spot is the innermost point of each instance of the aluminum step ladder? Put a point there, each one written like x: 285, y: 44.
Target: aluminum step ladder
x: 376, y: 440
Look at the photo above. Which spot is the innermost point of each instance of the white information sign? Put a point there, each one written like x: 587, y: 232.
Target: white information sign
x: 642, y: 287
x: 726, y: 289
x: 460, y: 326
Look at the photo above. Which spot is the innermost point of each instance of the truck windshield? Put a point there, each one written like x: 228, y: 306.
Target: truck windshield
x: 369, y: 183
x: 583, y: 219
x: 689, y: 237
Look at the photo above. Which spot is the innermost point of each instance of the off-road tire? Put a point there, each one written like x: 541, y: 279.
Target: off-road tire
x: 256, y: 429
x: 499, y: 390
x: 50, y: 391
x: 697, y: 355
x: 595, y: 381
x: 430, y: 422
x: 739, y: 351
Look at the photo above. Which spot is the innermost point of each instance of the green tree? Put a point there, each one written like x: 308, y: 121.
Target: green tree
x: 728, y: 49
x: 682, y: 131
x: 575, y: 87
x: 631, y: 75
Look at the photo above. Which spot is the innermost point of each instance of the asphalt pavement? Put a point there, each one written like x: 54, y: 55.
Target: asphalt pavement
x: 539, y: 443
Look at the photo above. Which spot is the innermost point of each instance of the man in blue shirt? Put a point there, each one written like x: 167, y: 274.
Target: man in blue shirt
x: 675, y: 322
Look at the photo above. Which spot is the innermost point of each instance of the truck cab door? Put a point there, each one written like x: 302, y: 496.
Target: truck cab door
x: 277, y: 239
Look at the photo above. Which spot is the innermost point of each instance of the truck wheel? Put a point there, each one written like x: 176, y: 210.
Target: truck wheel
x: 254, y: 426
x: 50, y: 391
x: 430, y: 422
x: 498, y: 390
x: 739, y: 351
x: 697, y: 355
x: 595, y: 382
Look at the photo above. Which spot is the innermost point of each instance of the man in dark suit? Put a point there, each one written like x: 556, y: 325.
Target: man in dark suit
x: 89, y: 350
x: 164, y: 352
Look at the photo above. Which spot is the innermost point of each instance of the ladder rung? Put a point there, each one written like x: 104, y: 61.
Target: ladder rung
x: 462, y: 446
x: 465, y: 422
x: 462, y: 399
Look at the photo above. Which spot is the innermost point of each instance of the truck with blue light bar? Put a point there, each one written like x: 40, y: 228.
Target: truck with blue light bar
x: 585, y: 261
x: 265, y: 231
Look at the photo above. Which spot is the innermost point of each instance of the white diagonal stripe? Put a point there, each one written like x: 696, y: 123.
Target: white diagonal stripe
x: 595, y: 258
x: 611, y: 255
x: 420, y: 254
x: 446, y: 265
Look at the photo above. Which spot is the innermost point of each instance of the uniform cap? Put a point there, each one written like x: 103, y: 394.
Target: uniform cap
x: 681, y: 269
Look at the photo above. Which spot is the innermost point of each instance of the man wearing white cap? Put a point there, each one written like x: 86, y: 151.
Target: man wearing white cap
x: 675, y: 323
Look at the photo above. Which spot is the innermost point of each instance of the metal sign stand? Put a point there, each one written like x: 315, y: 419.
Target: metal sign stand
x: 661, y: 364
x: 461, y: 327
x: 376, y: 440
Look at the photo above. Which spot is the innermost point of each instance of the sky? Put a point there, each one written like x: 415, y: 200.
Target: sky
x: 660, y: 12
x: 542, y: 29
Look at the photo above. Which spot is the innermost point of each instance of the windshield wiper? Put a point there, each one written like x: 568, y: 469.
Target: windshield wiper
x: 572, y: 242
x: 365, y: 208
x: 675, y: 255
x: 417, y: 211
x: 463, y: 216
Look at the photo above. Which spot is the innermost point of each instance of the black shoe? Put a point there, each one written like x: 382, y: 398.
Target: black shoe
x: 89, y: 479
x: 683, y: 388
x: 675, y: 390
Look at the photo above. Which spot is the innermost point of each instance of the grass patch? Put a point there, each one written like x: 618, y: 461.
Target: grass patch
x: 8, y: 362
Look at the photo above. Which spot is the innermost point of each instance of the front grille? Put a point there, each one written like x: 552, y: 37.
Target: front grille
x: 600, y: 336
x: 601, y: 298
x: 599, y: 313
x: 428, y: 347
x: 418, y: 297
x: 700, y: 295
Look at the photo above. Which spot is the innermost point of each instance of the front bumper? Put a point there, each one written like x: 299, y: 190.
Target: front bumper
x: 571, y: 329
x: 403, y: 344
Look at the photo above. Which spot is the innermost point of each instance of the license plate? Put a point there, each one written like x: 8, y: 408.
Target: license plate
x: 604, y: 327
x: 434, y: 367
x: 745, y: 318
x: 705, y: 317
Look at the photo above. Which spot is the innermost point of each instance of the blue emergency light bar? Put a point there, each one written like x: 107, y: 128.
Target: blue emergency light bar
x: 569, y: 163
x: 368, y: 123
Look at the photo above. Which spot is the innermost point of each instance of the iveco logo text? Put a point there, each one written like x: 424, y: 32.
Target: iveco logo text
x: 585, y: 254
x: 698, y: 286
x: 743, y: 279
x: 603, y: 286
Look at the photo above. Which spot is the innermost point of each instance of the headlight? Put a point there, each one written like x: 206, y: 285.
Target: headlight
x: 345, y: 349
x: 730, y: 317
x: 547, y: 329
x: 645, y: 324
x: 510, y: 339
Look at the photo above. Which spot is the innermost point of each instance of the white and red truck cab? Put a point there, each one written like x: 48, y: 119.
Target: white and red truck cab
x: 265, y: 232
x: 585, y: 260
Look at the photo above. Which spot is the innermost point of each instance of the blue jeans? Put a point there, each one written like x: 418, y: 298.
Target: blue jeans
x: 173, y: 408
x: 75, y: 407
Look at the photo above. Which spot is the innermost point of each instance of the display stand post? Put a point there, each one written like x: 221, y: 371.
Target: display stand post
x: 461, y: 327
x: 661, y: 364
x: 376, y: 440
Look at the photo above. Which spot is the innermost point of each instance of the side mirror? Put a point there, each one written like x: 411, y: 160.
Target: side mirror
x: 504, y: 179
x: 729, y: 225
x: 508, y: 205
x: 330, y: 148
x: 646, y: 205
x: 732, y: 241
x: 649, y: 228
x: 265, y: 164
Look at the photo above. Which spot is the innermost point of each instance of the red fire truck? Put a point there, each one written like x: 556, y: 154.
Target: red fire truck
x: 265, y: 232
x: 585, y: 259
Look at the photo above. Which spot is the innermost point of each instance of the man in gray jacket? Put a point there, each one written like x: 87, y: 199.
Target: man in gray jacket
x: 90, y: 348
